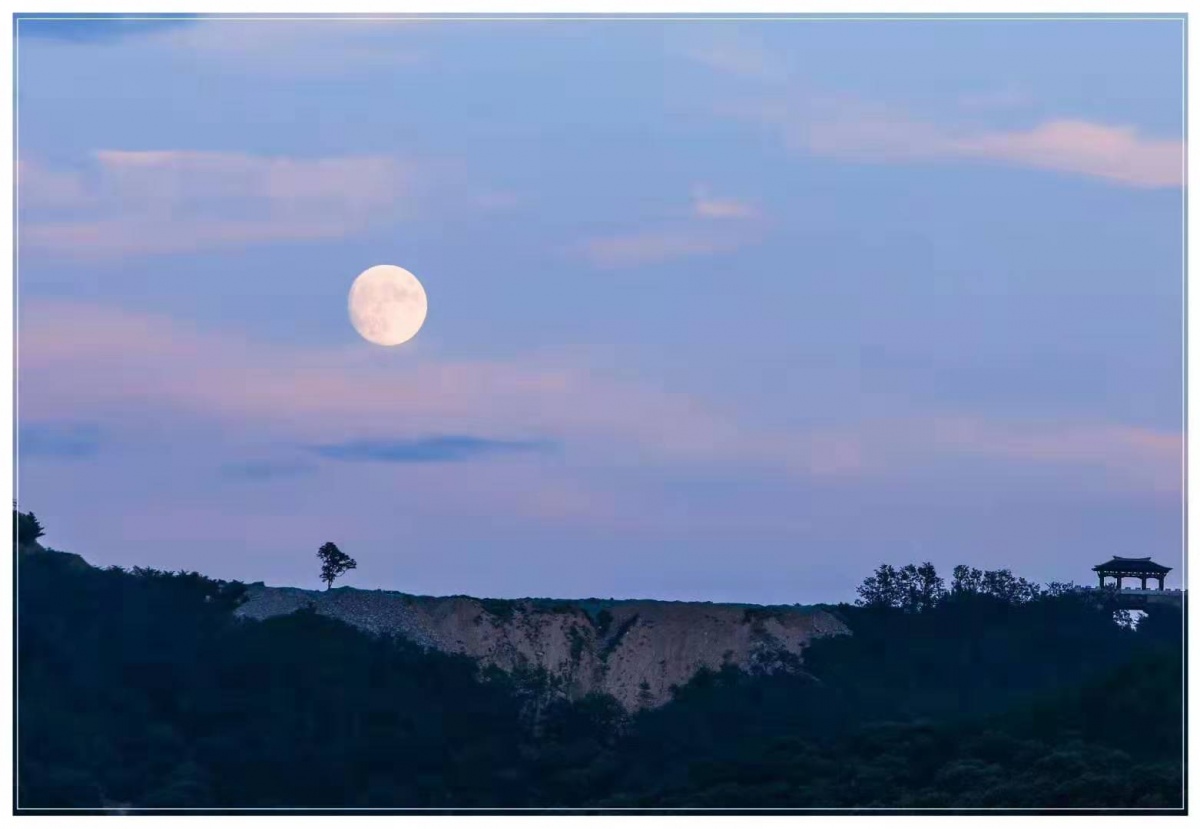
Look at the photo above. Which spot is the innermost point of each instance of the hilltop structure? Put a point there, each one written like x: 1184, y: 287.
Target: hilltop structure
x: 1119, y: 568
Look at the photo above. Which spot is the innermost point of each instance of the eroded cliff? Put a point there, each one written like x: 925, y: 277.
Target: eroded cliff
x: 633, y: 650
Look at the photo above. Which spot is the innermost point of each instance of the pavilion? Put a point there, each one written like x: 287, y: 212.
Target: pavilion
x: 1119, y: 567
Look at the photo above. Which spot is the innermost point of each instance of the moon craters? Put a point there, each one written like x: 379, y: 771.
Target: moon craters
x: 387, y: 305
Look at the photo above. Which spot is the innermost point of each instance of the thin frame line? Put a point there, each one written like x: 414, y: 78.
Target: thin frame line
x: 617, y: 17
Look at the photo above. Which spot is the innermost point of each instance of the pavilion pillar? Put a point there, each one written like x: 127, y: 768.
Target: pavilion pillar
x: 1143, y: 582
x: 1160, y: 582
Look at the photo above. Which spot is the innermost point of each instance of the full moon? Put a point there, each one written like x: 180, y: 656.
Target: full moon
x: 387, y: 305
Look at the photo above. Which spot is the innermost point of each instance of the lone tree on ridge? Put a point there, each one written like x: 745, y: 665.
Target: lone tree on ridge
x: 333, y: 563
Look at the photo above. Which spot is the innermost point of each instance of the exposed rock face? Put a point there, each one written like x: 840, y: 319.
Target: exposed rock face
x: 633, y: 650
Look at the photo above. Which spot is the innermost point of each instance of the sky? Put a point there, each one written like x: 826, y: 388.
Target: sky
x: 725, y: 311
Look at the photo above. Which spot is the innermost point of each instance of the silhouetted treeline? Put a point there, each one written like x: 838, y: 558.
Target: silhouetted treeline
x: 142, y: 689
x: 973, y: 701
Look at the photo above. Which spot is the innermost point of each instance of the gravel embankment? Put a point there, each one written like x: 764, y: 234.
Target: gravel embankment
x: 378, y: 611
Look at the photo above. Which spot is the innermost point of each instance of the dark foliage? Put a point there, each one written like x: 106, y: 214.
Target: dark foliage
x: 26, y: 528
x: 977, y: 702
x: 142, y: 688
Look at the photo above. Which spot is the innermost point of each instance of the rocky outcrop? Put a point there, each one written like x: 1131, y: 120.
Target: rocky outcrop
x: 634, y: 650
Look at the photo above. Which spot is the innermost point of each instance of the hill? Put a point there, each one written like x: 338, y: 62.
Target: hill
x: 151, y: 690
x: 634, y: 651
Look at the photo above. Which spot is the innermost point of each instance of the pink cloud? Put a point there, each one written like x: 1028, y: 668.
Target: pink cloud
x: 843, y: 127
x: 1115, y: 153
x: 1126, y: 456
x: 76, y: 356
x: 694, y: 236
x: 109, y: 239
x: 1149, y: 457
x: 707, y: 206
x: 871, y: 133
x: 40, y: 186
x: 178, y: 179
x: 115, y: 366
x: 865, y: 131
x: 147, y: 202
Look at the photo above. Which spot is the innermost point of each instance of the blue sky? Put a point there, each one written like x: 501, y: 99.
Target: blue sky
x: 718, y: 310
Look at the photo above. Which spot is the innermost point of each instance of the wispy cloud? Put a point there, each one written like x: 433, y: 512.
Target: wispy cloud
x: 145, y: 202
x: 431, y: 449
x: 73, y: 441
x: 1121, y: 455
x: 1119, y: 154
x: 77, y: 355
x: 1138, y: 455
x: 43, y: 187
x: 707, y: 206
x: 116, y: 366
x: 839, y: 126
x: 874, y: 134
x: 705, y: 230
x: 265, y: 470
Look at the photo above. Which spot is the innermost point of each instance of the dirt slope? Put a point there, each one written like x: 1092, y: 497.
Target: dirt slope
x: 634, y: 650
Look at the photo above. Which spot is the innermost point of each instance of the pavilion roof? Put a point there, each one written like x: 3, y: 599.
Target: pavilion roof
x: 1121, y: 564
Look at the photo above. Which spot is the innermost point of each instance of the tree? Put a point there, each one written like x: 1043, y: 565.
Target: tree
x: 967, y: 580
x: 32, y: 528
x: 1000, y: 584
x: 28, y: 529
x: 333, y: 563
x: 1061, y: 588
x: 1004, y: 585
x: 883, y: 589
x: 910, y: 588
x: 925, y: 587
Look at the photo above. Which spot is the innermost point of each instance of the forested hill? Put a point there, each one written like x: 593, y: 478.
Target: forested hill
x: 144, y: 690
